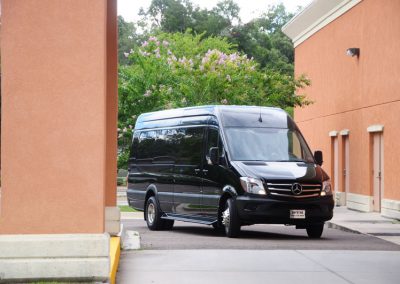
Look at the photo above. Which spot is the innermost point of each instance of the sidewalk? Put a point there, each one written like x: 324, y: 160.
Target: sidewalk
x: 121, y: 195
x: 371, y: 223
x: 132, y: 215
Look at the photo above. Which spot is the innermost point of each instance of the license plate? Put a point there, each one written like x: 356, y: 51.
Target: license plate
x: 297, y: 214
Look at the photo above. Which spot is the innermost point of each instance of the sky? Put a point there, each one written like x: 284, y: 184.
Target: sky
x: 249, y: 9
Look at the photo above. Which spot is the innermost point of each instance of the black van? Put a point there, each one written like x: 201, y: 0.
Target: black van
x: 226, y: 166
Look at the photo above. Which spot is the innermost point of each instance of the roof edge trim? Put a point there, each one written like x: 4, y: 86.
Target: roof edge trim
x: 314, y: 17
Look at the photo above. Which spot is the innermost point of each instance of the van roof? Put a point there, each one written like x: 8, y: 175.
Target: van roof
x: 232, y: 115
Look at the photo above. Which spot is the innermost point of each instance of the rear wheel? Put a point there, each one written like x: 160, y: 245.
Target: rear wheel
x: 315, y: 231
x: 230, y: 219
x: 153, y: 215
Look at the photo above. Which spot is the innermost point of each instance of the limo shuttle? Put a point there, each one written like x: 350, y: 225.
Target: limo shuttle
x: 226, y: 166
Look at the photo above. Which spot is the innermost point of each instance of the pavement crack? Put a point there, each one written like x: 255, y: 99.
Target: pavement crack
x: 328, y: 269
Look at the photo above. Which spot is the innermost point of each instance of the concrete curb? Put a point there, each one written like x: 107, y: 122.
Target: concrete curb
x: 115, y: 252
x: 350, y: 230
x: 333, y: 225
x: 130, y: 240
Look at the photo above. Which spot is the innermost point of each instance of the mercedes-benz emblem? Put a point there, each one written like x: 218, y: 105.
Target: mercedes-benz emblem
x: 297, y: 188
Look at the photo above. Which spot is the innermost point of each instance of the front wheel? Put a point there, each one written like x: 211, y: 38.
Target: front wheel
x: 218, y: 226
x: 315, y: 231
x: 230, y: 219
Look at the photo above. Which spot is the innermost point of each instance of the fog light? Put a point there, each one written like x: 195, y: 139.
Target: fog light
x: 326, y: 188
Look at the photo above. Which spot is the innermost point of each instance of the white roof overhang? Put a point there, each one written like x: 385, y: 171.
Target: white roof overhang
x: 314, y: 17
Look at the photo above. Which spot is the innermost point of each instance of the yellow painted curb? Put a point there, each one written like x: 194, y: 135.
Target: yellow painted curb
x: 115, y: 251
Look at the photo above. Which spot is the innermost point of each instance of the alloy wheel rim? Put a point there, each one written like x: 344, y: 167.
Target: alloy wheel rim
x: 151, y: 213
x: 226, y: 218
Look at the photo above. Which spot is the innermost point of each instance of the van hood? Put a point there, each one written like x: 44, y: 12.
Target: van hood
x: 266, y: 171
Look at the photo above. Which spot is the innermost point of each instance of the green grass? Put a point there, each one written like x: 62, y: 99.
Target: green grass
x: 47, y: 282
x: 126, y: 208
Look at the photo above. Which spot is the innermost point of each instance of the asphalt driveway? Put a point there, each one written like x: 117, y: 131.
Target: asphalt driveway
x: 256, y: 237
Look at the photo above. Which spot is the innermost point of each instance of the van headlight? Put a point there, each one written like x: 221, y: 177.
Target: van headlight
x: 252, y: 185
x: 326, y: 188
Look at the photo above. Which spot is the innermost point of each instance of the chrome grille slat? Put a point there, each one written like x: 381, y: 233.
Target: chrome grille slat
x: 279, y: 189
x: 285, y: 189
x: 295, y: 196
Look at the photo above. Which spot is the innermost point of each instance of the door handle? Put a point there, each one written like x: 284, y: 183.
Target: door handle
x: 205, y: 171
x: 196, y: 171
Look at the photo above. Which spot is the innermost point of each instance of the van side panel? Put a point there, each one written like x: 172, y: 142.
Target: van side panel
x: 164, y: 158
x: 187, y: 172
x: 137, y: 184
x: 149, y: 170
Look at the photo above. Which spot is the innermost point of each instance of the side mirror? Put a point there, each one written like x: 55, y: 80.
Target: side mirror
x: 213, y: 156
x: 318, y: 157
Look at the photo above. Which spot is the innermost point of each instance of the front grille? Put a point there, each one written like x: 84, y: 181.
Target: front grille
x: 284, y: 189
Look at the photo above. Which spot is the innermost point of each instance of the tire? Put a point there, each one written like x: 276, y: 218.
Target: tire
x: 153, y: 215
x: 315, y: 231
x: 168, y: 224
x: 230, y: 219
x: 218, y: 226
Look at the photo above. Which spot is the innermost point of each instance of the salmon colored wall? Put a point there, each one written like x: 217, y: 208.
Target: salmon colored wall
x: 112, y: 103
x: 54, y: 116
x: 354, y: 93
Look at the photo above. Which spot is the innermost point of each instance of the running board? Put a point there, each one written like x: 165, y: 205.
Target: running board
x: 185, y: 219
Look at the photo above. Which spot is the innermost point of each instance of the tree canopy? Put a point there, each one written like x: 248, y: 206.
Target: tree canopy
x: 180, y: 55
x: 173, y: 70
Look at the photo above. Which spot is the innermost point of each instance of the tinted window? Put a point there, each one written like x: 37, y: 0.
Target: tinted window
x: 182, y: 145
x: 165, y: 147
x: 146, y: 147
x: 190, y: 145
x: 214, y: 140
x: 135, y: 144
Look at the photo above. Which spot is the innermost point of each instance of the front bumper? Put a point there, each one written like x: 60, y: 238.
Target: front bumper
x: 264, y: 210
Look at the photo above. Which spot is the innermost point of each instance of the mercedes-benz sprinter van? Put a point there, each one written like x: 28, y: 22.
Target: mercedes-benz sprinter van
x: 226, y: 166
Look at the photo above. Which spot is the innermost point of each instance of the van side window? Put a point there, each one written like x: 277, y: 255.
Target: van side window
x: 294, y: 146
x: 190, y: 142
x: 134, y: 146
x: 214, y: 140
x: 146, y: 144
x: 165, y: 149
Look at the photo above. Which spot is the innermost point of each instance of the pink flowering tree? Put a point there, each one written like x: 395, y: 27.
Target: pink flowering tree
x: 178, y: 70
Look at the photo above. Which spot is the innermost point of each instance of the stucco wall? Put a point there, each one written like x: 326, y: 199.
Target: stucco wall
x: 54, y: 116
x: 354, y: 93
x: 112, y: 103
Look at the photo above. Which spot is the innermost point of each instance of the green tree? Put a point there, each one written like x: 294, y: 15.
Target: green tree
x: 263, y: 39
x: 181, y: 69
x: 217, y: 21
x: 171, y: 15
x: 180, y: 15
x: 127, y: 38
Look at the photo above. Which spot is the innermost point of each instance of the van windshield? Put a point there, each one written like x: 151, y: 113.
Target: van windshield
x: 267, y: 144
